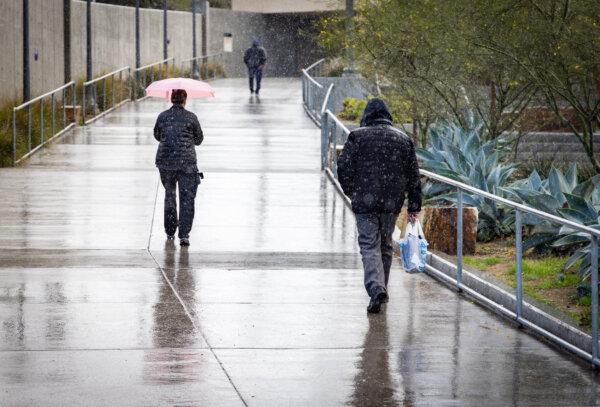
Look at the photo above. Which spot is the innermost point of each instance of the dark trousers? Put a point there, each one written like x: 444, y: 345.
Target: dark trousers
x: 376, y: 248
x: 188, y: 186
x: 255, y: 73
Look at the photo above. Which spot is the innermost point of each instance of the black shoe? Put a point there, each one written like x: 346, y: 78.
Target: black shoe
x: 170, y: 237
x: 252, y: 91
x: 375, y: 303
x: 256, y: 93
x: 184, y: 241
x: 386, y: 299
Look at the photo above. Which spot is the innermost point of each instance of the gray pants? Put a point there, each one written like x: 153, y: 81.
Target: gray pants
x: 375, y: 241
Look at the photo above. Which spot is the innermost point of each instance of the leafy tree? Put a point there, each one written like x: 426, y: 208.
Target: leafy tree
x: 556, y: 43
x: 484, y: 59
x: 424, y: 51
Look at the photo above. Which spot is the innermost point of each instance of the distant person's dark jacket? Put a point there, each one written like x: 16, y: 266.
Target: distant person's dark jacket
x: 178, y: 131
x: 378, y: 165
x: 255, y: 57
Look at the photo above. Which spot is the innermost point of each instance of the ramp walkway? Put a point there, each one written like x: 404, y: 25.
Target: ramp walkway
x: 266, y: 308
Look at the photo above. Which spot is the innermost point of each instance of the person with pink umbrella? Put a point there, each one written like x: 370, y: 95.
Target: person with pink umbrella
x: 178, y: 131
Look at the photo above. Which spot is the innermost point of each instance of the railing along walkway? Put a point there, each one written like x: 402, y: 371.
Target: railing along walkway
x: 334, y: 134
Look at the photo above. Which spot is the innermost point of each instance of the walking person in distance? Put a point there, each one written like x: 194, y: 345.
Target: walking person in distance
x: 255, y: 59
x: 377, y: 169
x: 178, y: 131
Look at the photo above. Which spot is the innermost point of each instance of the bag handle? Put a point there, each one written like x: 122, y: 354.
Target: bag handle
x: 420, y: 229
x: 408, y: 225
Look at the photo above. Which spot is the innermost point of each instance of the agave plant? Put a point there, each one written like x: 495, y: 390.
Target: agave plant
x: 462, y: 155
x: 561, y: 195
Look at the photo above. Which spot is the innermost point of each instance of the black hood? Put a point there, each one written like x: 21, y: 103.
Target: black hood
x: 376, y: 112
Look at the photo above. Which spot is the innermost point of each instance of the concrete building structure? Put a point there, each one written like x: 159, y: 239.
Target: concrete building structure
x: 113, y: 41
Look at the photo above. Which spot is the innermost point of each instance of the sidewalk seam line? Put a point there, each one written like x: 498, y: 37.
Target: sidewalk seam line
x: 197, y: 328
x: 152, y: 222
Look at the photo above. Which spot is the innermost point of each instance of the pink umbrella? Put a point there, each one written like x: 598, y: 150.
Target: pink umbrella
x: 195, y: 89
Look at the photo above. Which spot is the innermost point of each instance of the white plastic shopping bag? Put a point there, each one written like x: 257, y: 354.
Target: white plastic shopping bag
x: 413, y: 248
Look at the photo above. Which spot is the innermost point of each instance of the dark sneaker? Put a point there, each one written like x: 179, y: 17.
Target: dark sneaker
x: 184, y: 242
x: 375, y: 303
x: 170, y: 237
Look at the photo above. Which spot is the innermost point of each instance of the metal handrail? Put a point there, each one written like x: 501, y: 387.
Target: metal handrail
x: 114, y: 103
x: 312, y: 90
x: 125, y: 68
x: 485, y: 194
x: 43, y: 140
x: 164, y: 61
x: 326, y: 99
x: 330, y: 123
x: 310, y: 78
x: 195, y: 71
x: 315, y: 64
x: 201, y: 57
x: 45, y: 95
x: 512, y: 204
x: 139, y: 75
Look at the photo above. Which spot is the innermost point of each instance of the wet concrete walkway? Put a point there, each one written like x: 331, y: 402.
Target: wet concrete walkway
x: 266, y: 308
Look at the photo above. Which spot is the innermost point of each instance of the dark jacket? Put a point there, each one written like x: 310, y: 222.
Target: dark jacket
x: 378, y: 165
x: 255, y: 56
x: 178, y: 131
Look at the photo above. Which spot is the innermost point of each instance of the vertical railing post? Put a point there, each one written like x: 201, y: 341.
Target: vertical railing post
x: 112, y: 89
x: 594, y: 266
x: 14, y: 117
x: 41, y: 121
x: 334, y: 152
x: 74, y: 91
x: 304, y: 90
x: 53, y: 116
x: 64, y: 105
x: 82, y: 105
x: 28, y: 128
x: 459, y: 238
x: 132, y: 87
x: 519, y: 264
x: 121, y: 86
x: 103, y: 94
x: 324, y: 133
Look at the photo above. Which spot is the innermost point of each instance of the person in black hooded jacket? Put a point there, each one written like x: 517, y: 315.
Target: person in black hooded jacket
x: 377, y: 169
x: 255, y: 59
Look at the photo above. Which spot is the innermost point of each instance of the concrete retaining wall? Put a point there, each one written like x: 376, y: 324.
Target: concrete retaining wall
x: 113, y: 32
x: 553, y: 147
x: 113, y: 36
x: 45, y: 41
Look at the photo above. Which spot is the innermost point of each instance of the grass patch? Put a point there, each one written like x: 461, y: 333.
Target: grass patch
x: 544, y: 278
x: 481, y: 263
x: 541, y: 269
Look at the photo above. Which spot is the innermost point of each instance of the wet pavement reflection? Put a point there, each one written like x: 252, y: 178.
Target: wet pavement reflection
x: 266, y: 308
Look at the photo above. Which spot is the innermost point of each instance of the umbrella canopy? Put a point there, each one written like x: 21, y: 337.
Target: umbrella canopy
x: 195, y: 89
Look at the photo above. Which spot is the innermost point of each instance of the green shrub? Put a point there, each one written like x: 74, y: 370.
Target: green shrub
x: 399, y: 109
x: 353, y: 109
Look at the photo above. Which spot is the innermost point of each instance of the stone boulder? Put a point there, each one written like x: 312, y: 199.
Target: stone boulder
x: 439, y: 227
